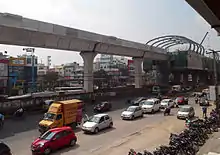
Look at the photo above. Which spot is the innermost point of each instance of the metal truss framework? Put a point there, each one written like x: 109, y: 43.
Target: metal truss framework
x: 165, y: 42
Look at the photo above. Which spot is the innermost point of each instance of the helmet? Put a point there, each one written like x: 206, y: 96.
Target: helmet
x: 4, y: 149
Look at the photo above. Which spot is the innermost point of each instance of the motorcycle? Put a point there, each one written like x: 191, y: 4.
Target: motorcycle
x: 167, y: 111
x: 19, y: 113
x: 132, y: 152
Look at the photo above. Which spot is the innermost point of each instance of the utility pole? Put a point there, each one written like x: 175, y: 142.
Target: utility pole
x: 214, y: 53
x: 31, y: 50
x: 48, y: 62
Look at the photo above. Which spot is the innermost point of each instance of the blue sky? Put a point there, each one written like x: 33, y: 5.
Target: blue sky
x: 136, y: 20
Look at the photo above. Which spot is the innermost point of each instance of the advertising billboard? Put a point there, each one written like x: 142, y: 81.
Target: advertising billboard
x: 17, y: 61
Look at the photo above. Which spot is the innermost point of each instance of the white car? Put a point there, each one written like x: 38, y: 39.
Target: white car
x: 132, y: 112
x: 166, y: 103
x: 97, y: 122
x: 150, y: 105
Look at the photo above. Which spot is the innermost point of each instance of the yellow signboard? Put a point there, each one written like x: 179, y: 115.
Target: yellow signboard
x: 17, y: 61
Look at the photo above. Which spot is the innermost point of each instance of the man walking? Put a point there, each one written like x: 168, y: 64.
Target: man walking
x: 204, y: 111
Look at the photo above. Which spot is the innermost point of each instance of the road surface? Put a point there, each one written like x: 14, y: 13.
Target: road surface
x: 19, y: 134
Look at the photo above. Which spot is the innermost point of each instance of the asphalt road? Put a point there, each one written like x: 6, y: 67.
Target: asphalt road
x: 19, y: 134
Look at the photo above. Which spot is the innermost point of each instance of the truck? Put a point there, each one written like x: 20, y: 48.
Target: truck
x: 62, y: 113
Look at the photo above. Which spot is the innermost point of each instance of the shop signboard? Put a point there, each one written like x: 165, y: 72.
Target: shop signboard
x: 17, y: 61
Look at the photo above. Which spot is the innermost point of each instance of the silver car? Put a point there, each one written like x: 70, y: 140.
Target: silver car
x: 132, y: 112
x: 185, y: 111
x: 97, y: 122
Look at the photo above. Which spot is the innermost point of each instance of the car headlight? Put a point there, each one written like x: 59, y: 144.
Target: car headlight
x: 41, y: 144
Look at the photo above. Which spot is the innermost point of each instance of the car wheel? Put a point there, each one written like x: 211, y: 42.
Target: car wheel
x: 47, y: 151
x: 96, y: 130
x: 72, y: 142
x: 142, y: 115
x: 132, y: 117
x: 111, y: 125
x: 152, y: 111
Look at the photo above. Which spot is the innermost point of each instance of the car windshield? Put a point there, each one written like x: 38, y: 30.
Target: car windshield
x: 49, y: 116
x: 48, y: 102
x: 148, y: 103
x: 184, y: 109
x: 137, y: 100
x: 94, y: 119
x: 47, y: 136
x: 179, y: 98
x: 165, y: 101
x: 131, y: 109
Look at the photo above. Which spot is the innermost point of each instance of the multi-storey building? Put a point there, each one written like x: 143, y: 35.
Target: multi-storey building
x: 3, y: 73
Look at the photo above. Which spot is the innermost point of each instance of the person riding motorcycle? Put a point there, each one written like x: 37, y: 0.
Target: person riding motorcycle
x: 19, y: 112
x: 167, y: 110
x: 2, y: 119
x: 196, y: 99
x: 159, y: 96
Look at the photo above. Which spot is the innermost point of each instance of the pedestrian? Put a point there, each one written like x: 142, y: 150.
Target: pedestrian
x: 93, y: 98
x: 204, y: 111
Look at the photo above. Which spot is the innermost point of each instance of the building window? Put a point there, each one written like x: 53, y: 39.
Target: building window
x: 35, y: 61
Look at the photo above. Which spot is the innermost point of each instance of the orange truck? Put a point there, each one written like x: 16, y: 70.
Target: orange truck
x: 62, y: 113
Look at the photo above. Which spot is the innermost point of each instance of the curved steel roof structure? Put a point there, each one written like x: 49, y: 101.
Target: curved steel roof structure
x: 165, y: 42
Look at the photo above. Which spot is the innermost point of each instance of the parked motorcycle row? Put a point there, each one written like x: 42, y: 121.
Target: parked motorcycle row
x: 188, y: 141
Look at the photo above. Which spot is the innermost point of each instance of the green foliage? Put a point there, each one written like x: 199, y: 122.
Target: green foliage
x: 51, y: 77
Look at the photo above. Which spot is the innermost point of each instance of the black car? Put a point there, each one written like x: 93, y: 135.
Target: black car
x: 103, y: 107
x: 4, y: 149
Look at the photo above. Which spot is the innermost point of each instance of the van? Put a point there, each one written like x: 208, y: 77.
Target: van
x: 150, y: 105
x: 62, y: 113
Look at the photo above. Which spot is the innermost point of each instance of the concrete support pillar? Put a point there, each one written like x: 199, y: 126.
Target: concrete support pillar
x: 164, y: 71
x: 88, y: 58
x: 138, y: 72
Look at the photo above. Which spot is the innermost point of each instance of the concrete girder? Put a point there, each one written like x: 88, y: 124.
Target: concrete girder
x: 16, y: 30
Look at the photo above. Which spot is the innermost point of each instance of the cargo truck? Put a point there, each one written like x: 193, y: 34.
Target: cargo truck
x: 62, y: 113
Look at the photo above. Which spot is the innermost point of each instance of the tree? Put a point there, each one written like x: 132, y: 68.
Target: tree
x: 51, y: 79
x: 101, y: 77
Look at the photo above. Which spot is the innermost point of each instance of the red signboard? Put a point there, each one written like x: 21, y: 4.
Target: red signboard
x: 130, y: 64
x: 4, y: 61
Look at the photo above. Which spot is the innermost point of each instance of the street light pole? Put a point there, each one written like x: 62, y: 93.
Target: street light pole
x: 214, y: 53
x: 31, y: 50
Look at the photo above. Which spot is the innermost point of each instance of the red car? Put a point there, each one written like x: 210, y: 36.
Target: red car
x: 181, y: 100
x: 54, y: 139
